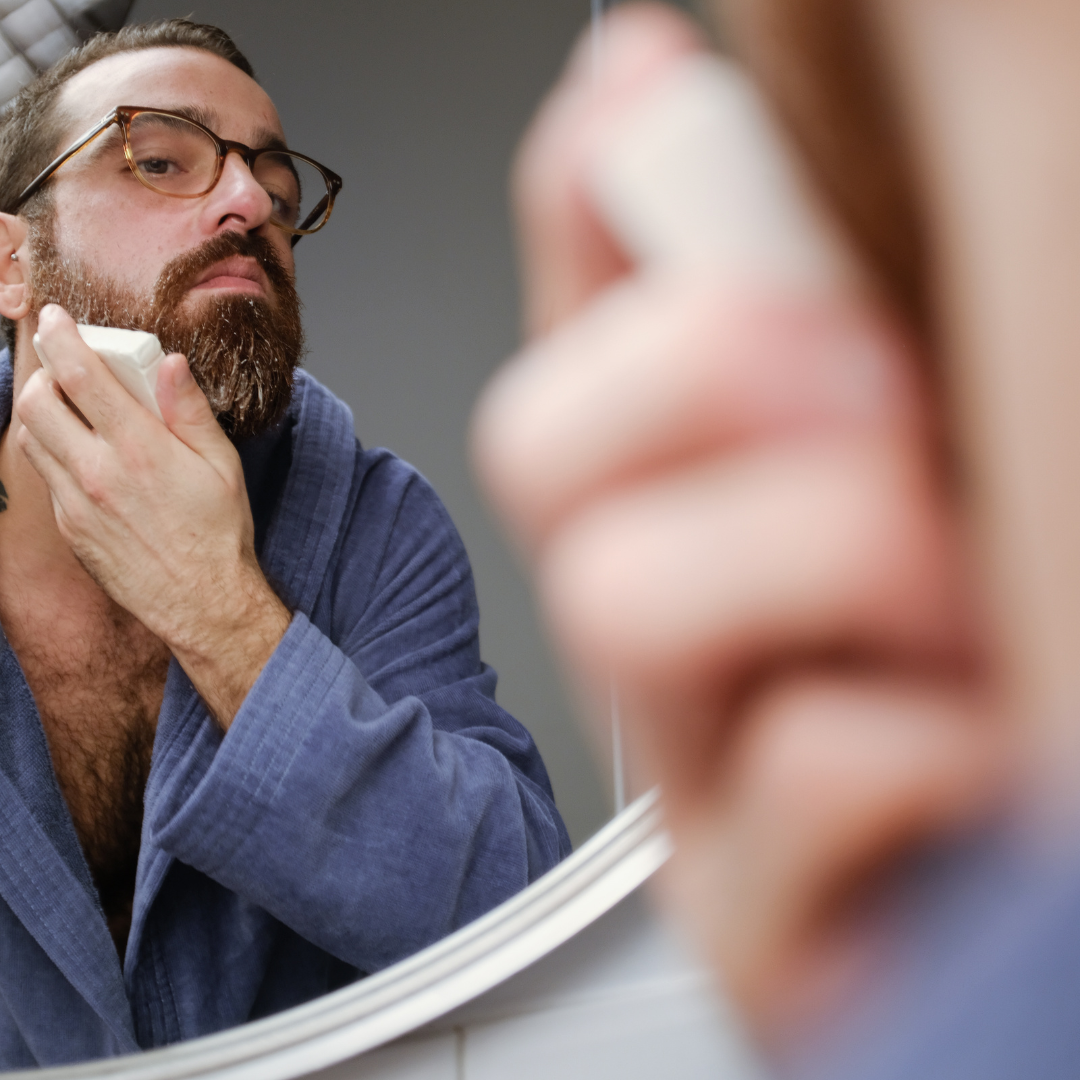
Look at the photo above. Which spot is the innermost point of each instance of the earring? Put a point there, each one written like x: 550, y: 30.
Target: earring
x: 14, y: 257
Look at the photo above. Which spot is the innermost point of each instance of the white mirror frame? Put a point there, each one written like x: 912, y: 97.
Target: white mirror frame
x: 385, y: 1006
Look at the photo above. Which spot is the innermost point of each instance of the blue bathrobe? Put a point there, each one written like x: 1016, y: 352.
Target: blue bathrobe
x: 369, y: 797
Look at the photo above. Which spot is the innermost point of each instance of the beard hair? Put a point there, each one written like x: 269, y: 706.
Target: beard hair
x: 243, y: 351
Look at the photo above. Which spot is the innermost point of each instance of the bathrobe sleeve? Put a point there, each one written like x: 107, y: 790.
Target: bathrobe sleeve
x: 370, y: 794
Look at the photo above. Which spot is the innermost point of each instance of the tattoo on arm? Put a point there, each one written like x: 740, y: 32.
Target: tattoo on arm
x: 3, y: 497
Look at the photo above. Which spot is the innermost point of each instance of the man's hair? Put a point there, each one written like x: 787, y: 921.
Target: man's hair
x: 31, y: 129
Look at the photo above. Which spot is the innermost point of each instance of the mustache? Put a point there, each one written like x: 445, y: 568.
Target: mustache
x: 179, y: 274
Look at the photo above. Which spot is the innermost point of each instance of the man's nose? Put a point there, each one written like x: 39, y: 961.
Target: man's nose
x: 238, y: 197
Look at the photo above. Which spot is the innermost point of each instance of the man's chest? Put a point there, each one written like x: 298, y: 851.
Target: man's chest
x: 94, y: 671
x: 97, y: 677
x: 97, y: 698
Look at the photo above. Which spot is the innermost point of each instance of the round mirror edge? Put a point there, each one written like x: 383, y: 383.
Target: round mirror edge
x: 421, y: 988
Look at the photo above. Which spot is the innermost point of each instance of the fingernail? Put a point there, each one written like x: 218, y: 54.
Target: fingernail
x: 182, y: 375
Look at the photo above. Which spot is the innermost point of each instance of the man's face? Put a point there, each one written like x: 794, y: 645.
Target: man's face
x: 211, y: 276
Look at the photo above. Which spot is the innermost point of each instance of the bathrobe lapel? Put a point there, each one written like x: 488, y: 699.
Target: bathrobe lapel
x: 48, y: 891
x: 44, y: 878
x: 307, y: 523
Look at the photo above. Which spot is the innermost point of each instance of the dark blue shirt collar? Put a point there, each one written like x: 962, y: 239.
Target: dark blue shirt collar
x: 7, y: 387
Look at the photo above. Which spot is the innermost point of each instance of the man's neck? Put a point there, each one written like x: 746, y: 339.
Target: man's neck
x: 96, y: 674
x: 33, y: 555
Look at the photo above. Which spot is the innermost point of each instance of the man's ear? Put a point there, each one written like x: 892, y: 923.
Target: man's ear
x: 14, y: 291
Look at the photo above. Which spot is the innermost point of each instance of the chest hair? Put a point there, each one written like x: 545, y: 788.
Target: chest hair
x: 98, y: 685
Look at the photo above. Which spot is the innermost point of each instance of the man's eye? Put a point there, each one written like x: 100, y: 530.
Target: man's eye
x: 156, y: 166
x: 284, y: 209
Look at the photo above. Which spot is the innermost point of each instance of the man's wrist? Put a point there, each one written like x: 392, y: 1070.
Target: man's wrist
x: 226, y: 655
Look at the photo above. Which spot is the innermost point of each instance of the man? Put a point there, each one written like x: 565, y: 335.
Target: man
x: 272, y: 645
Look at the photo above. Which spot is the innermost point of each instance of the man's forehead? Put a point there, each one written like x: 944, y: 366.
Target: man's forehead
x: 191, y: 81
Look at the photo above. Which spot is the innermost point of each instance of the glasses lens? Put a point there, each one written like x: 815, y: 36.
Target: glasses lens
x: 299, y: 191
x: 172, y: 155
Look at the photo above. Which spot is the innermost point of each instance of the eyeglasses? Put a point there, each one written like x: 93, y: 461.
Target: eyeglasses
x: 175, y: 155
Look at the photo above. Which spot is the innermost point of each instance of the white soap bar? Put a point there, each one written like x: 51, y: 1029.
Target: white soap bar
x: 133, y: 356
x: 698, y: 172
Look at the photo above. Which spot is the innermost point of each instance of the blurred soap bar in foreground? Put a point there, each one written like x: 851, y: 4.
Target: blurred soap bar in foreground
x: 699, y: 172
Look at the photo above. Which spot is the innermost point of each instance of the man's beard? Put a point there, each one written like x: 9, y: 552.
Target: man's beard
x: 242, y: 350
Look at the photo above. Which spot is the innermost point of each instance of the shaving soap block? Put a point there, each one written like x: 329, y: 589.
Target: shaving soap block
x: 133, y: 356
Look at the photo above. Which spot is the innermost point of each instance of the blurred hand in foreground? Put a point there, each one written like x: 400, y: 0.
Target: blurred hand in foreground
x: 733, y: 501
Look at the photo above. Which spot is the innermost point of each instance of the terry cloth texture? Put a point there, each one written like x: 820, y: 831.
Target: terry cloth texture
x: 369, y: 798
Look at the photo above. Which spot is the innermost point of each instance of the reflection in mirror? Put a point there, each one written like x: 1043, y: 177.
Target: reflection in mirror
x: 303, y: 825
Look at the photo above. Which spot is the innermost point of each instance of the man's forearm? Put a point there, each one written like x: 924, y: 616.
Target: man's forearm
x: 369, y: 828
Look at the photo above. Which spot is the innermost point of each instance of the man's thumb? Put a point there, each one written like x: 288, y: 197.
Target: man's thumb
x: 185, y: 410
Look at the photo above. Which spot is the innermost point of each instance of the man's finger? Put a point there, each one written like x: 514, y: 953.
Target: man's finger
x: 85, y: 377
x: 70, y: 502
x: 188, y: 415
x: 43, y: 412
x: 567, y: 252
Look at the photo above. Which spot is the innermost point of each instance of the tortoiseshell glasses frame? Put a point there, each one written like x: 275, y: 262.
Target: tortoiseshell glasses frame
x: 276, y: 168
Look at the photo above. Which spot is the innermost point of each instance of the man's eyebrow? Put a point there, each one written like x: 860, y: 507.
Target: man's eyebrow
x: 207, y: 117
x: 264, y: 138
x: 268, y: 139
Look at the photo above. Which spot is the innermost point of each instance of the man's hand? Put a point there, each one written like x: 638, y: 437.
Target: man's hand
x: 733, y: 504
x: 157, y: 514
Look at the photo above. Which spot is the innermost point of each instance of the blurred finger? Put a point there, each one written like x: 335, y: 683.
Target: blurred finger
x: 830, y: 778
x: 689, y: 576
x: 70, y: 502
x: 671, y: 365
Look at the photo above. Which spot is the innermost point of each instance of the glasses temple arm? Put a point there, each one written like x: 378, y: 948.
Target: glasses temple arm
x: 317, y: 212
x: 35, y: 185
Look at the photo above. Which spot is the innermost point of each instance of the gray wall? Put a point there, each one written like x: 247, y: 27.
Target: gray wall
x: 410, y: 292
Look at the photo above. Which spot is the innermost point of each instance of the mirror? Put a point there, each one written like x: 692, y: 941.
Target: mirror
x: 346, y: 1024
x: 410, y: 297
